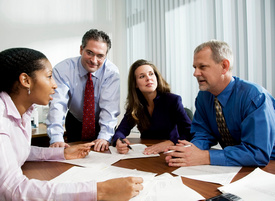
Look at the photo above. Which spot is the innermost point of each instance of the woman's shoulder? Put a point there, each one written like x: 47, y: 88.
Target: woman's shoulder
x: 171, y: 96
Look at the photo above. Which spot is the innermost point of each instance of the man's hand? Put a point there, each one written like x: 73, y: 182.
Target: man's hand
x: 186, y: 155
x: 59, y: 144
x: 122, y: 147
x: 101, y: 145
x: 157, y: 148
x: 77, y: 151
x: 119, y: 189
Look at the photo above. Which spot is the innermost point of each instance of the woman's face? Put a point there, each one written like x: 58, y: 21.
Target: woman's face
x: 43, y: 85
x: 146, y: 80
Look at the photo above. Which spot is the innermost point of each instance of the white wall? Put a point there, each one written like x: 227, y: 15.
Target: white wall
x: 56, y: 27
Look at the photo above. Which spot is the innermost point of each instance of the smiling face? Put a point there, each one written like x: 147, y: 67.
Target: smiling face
x: 93, y: 55
x: 43, y: 84
x: 146, y: 80
x: 209, y: 74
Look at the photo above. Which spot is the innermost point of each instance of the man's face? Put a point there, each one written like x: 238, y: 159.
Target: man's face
x: 93, y: 55
x: 208, y: 73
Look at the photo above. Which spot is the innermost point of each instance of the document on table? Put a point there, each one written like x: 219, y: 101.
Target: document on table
x: 136, y: 152
x: 80, y: 174
x: 166, y: 187
x: 161, y: 188
x: 258, y: 185
x: 209, y: 173
x: 95, y: 160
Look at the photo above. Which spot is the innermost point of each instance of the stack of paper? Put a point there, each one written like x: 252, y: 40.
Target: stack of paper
x: 258, y: 185
x: 161, y: 188
x: 166, y: 187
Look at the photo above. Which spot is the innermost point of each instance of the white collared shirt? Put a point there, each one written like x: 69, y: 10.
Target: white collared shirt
x: 71, y: 77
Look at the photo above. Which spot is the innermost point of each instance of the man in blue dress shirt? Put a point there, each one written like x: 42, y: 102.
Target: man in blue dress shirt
x: 71, y: 76
x: 248, y: 110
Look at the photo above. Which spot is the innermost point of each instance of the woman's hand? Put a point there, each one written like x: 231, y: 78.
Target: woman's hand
x: 78, y: 151
x: 122, y: 147
x: 157, y: 148
x: 119, y: 189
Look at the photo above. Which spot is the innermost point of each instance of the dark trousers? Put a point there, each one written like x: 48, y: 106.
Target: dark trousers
x: 74, y: 128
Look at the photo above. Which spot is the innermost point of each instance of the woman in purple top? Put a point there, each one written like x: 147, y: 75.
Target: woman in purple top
x: 157, y: 113
x: 27, y: 80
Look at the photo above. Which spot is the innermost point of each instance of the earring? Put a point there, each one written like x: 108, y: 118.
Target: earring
x: 29, y: 91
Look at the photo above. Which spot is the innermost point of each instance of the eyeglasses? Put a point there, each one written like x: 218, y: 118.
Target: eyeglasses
x: 99, y: 57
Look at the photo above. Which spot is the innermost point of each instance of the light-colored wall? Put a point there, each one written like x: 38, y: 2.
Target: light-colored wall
x: 56, y: 28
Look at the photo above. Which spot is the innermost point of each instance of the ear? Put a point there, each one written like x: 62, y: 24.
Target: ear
x: 25, y: 80
x: 81, y: 50
x: 225, y: 65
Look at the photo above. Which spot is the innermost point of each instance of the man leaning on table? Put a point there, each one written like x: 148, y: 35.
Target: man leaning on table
x: 72, y: 76
x: 248, y: 110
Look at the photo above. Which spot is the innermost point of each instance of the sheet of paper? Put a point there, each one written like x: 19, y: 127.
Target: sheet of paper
x: 136, y: 152
x: 80, y: 174
x: 161, y: 188
x: 166, y: 187
x: 95, y: 159
x: 210, y: 173
x: 258, y: 185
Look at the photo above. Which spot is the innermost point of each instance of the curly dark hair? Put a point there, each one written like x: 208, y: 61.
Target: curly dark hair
x: 15, y: 61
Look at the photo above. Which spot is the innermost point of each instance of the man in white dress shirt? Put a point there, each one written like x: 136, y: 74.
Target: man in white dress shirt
x: 71, y: 76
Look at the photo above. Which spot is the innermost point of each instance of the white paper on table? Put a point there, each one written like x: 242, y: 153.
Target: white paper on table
x: 162, y: 188
x: 136, y: 152
x: 209, y: 173
x: 166, y: 187
x: 95, y: 159
x: 80, y: 174
x: 258, y: 185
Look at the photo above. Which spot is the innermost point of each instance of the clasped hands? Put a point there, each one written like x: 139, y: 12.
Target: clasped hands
x: 185, y: 155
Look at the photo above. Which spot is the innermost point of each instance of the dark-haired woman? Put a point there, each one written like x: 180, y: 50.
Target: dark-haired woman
x: 157, y: 113
x: 27, y: 80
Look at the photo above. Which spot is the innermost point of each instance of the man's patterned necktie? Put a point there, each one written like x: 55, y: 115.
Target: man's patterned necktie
x: 88, y: 123
x: 226, y: 137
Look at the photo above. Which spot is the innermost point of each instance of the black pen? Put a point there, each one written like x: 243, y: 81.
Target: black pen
x: 125, y: 142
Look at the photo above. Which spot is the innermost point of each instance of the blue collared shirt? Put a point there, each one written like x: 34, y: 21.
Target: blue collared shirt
x: 250, y: 117
x: 71, y: 77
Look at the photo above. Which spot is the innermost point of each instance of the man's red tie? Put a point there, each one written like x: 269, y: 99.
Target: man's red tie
x: 88, y: 123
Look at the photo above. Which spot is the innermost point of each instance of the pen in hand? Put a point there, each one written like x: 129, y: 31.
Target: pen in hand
x: 125, y: 142
x: 170, y: 151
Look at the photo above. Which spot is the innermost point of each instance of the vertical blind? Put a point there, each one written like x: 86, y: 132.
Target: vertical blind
x: 166, y: 32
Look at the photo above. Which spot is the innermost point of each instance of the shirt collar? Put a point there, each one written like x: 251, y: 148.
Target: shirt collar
x: 223, y: 97
x: 12, y: 110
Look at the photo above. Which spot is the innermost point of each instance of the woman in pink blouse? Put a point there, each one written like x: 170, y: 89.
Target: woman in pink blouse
x: 27, y: 80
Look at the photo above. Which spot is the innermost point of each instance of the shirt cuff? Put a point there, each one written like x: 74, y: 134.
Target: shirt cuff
x: 217, y: 157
